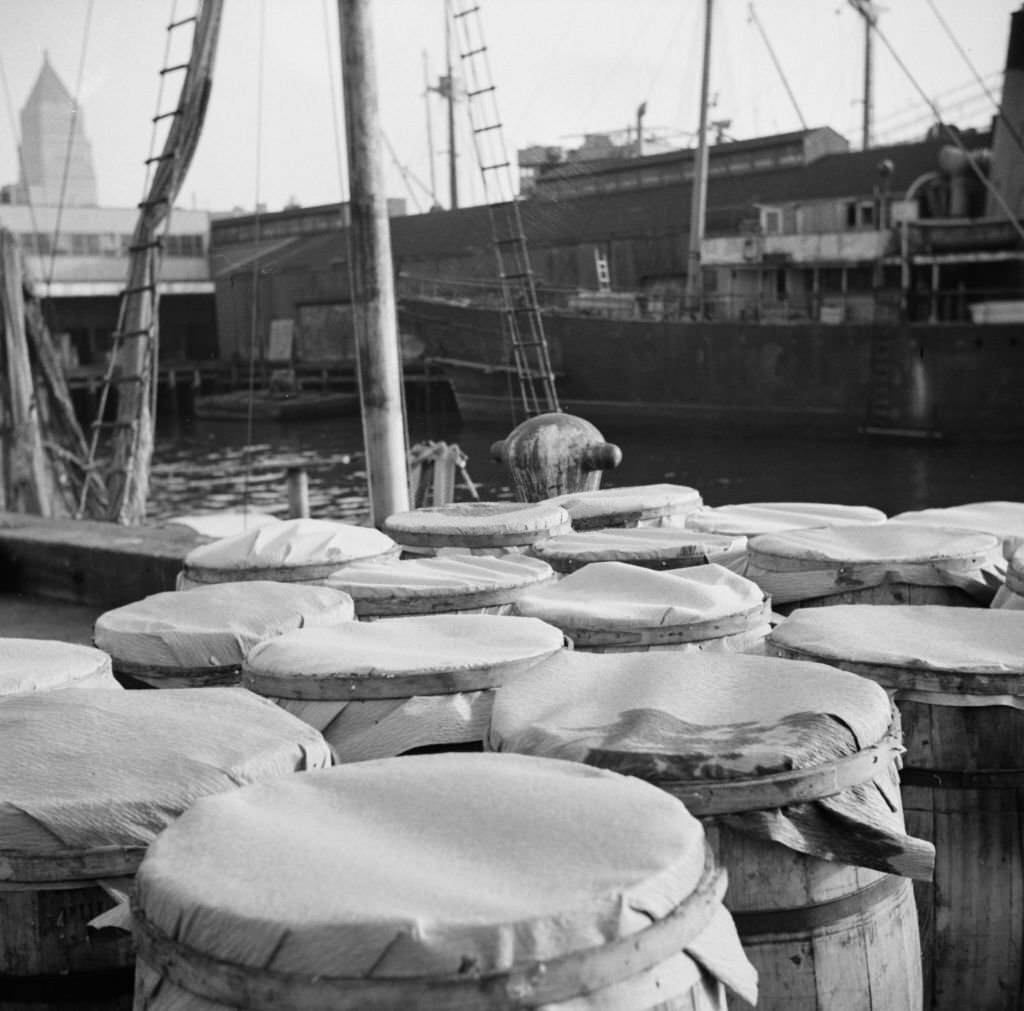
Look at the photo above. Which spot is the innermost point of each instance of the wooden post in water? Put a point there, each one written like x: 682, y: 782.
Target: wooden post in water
x: 378, y: 359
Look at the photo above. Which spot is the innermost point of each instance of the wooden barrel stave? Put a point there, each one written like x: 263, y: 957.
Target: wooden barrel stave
x: 972, y: 929
x: 888, y: 593
x: 866, y: 960
x: 49, y: 958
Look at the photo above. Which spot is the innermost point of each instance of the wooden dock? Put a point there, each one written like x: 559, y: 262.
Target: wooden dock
x: 58, y: 576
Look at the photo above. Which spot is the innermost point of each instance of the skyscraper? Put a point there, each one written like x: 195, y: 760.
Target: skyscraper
x: 54, y: 146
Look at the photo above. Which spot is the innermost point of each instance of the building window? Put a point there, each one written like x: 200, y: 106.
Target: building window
x: 771, y: 220
x: 84, y: 244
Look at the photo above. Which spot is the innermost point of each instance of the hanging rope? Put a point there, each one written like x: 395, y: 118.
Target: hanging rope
x: 70, y: 145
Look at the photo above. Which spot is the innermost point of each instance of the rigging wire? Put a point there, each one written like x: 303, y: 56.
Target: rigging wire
x: 71, y: 143
x: 952, y: 134
x: 1003, y: 118
x: 752, y: 14
x: 408, y: 177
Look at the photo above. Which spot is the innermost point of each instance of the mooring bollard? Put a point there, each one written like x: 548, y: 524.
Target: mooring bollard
x: 555, y: 454
x: 298, y: 491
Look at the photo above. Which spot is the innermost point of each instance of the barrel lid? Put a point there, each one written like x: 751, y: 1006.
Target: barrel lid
x: 651, y: 547
x: 214, y: 626
x: 225, y: 523
x: 882, y: 542
x: 32, y: 665
x: 290, y: 546
x: 672, y: 716
x: 89, y: 778
x: 1004, y: 519
x: 451, y: 582
x: 752, y: 518
x: 614, y: 595
x: 477, y: 524
x: 421, y: 866
x: 610, y: 507
x: 917, y: 646
x: 399, y: 658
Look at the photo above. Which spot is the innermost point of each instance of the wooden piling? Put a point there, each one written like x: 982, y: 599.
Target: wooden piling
x: 373, y: 294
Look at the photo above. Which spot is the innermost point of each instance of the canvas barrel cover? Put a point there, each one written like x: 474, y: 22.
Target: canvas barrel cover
x: 214, y: 626
x: 376, y: 689
x: 651, y: 547
x: 751, y: 518
x: 618, y: 507
x: 976, y: 651
x: 88, y: 770
x: 33, y: 665
x: 451, y: 582
x: 805, y: 564
x: 610, y: 598
x: 436, y: 867
x: 477, y: 524
x: 1004, y: 519
x: 292, y: 550
x: 675, y: 720
x: 1010, y: 596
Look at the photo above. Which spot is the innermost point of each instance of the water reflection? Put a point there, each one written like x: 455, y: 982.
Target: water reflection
x: 203, y: 465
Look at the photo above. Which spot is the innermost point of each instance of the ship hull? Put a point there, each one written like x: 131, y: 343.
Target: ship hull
x: 955, y: 380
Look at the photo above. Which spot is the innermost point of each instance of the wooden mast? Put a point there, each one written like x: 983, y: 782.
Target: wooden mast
x: 373, y: 294
x: 699, y: 191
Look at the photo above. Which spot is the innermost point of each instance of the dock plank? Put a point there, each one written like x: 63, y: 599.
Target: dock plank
x: 90, y: 563
x: 25, y: 617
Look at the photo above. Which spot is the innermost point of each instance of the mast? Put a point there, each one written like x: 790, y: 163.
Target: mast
x: 699, y: 192
x: 449, y: 93
x: 430, y: 132
x: 373, y: 293
x: 866, y: 9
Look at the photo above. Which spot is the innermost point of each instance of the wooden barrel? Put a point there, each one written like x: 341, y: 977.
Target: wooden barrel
x: 748, y: 519
x: 469, y: 882
x: 377, y: 689
x: 1010, y: 596
x: 36, y: 665
x: 958, y: 678
x: 197, y: 638
x: 292, y: 551
x: 651, y: 548
x: 791, y: 767
x: 633, y: 506
x: 885, y: 563
x: 88, y: 779
x: 610, y: 606
x: 447, y: 584
x: 494, y: 528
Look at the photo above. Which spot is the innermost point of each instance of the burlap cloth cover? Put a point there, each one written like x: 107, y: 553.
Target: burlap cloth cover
x: 1004, y: 519
x: 433, y: 866
x: 477, y: 524
x: 615, y: 507
x: 804, y: 564
x: 616, y: 597
x: 35, y: 665
x: 213, y: 626
x: 290, y: 551
x: 414, y: 585
x: 651, y: 547
x: 669, y: 719
x: 982, y: 648
x: 751, y: 518
x: 463, y: 657
x: 1010, y: 596
x: 85, y: 769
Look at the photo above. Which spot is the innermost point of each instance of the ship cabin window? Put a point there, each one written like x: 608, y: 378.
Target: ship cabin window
x: 860, y: 214
x: 771, y: 220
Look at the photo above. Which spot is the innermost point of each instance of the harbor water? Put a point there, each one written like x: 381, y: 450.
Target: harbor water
x: 202, y: 466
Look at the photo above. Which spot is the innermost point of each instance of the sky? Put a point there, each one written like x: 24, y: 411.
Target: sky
x: 562, y: 68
